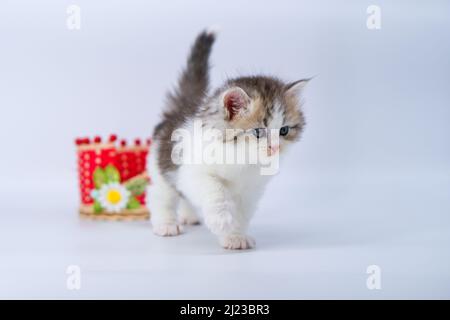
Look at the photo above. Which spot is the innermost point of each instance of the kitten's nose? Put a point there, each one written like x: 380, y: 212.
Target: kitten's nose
x: 273, y: 149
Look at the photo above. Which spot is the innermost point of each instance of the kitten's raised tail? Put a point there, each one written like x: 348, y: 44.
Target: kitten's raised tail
x: 194, y: 81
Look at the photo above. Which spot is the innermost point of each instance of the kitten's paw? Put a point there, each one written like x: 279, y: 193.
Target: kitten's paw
x: 237, y: 242
x: 167, y: 230
x: 188, y: 220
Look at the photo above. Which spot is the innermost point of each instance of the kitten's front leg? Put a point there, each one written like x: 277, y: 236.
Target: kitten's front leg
x: 223, y: 216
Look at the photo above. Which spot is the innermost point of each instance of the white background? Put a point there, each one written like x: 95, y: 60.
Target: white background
x: 368, y: 184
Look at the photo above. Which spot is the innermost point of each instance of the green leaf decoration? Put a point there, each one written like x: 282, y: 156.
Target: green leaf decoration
x: 99, y: 177
x: 137, y: 186
x: 97, y: 207
x: 112, y: 174
x: 133, y: 203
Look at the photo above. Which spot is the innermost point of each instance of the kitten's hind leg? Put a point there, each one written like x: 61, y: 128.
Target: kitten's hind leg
x: 186, y: 213
x: 163, y: 199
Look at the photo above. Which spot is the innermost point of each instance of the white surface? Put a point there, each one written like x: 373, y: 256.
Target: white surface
x: 319, y: 249
x: 368, y: 184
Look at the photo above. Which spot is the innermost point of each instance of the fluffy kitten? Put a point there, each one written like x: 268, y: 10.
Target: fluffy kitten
x: 226, y: 194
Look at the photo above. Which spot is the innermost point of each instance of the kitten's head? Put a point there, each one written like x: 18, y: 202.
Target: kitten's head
x: 264, y: 107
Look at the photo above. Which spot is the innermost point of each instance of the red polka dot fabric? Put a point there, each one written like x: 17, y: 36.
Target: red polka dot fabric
x: 131, y: 161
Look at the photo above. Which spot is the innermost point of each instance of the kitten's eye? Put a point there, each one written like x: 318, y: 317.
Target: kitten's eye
x: 258, y: 132
x: 284, y: 131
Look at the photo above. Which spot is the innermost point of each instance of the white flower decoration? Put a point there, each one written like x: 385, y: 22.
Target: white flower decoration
x: 113, y: 197
x: 94, y: 194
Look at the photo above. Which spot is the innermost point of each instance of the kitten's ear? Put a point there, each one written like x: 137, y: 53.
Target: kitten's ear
x: 236, y: 102
x: 294, y: 88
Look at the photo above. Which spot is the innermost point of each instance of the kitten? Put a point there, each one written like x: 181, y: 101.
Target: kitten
x: 227, y: 194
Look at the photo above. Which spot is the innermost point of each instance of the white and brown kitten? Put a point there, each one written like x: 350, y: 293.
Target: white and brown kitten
x: 226, y: 194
